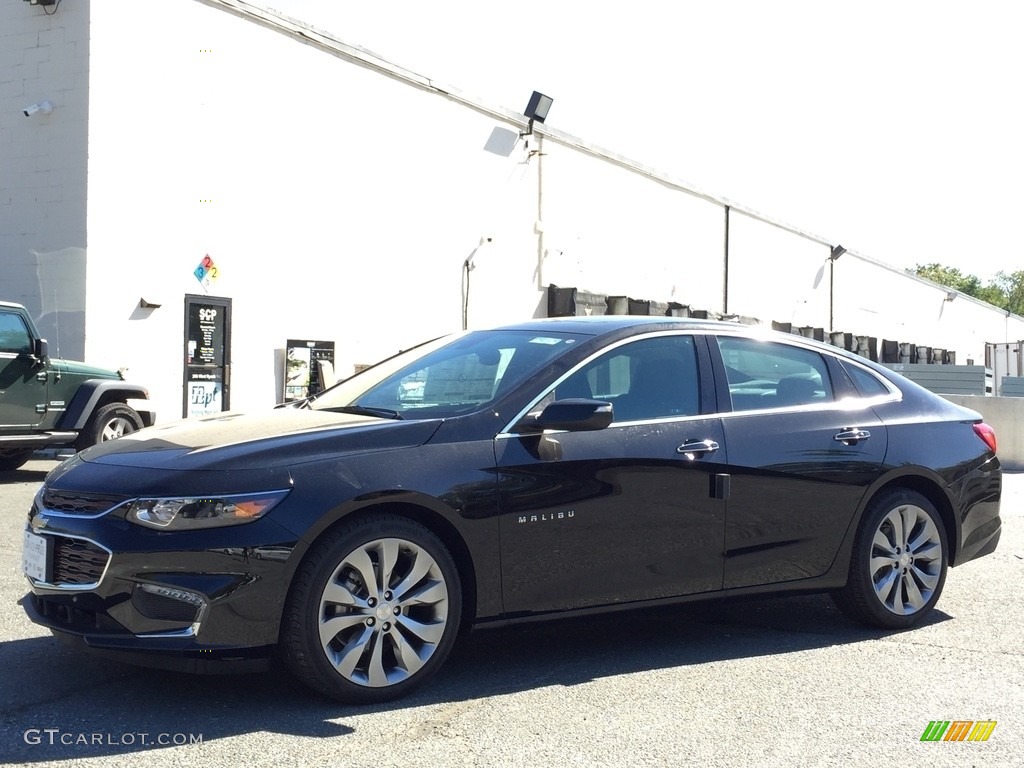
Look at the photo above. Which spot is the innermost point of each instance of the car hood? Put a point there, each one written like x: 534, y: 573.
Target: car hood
x: 274, y: 438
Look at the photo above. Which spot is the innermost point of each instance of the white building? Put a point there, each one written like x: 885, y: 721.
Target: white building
x: 340, y: 197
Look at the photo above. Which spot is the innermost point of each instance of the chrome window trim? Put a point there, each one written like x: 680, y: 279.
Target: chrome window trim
x: 845, y: 404
x: 613, y: 425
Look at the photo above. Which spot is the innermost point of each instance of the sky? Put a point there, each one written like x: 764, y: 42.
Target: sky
x: 893, y: 128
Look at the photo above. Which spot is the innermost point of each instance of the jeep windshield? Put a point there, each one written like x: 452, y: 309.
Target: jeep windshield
x: 446, y: 377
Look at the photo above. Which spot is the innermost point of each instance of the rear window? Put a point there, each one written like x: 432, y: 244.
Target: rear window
x: 867, y: 383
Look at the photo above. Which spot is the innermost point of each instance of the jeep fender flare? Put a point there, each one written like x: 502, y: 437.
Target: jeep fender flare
x: 93, y: 393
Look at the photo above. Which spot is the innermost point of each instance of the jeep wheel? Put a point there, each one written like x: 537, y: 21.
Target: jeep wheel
x: 109, y: 422
x: 13, y: 458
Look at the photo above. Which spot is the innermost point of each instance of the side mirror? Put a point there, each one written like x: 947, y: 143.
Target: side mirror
x: 40, y: 350
x: 571, y: 415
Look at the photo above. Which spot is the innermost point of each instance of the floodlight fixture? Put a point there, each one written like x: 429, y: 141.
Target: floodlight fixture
x: 536, y: 110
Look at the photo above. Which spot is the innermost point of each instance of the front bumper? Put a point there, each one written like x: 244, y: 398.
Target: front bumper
x: 196, y: 601
x: 180, y: 652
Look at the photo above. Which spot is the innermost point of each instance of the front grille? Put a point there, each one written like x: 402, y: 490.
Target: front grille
x: 76, y: 561
x: 77, y: 503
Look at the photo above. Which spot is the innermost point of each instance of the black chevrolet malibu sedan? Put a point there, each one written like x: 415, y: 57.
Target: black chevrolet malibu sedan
x: 548, y: 468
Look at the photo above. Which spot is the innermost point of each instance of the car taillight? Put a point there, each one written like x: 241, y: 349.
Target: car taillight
x: 986, y: 433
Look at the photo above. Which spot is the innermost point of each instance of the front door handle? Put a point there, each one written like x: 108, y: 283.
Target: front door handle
x: 851, y: 436
x: 691, y: 449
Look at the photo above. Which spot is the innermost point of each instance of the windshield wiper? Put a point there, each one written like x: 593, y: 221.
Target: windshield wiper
x: 366, y: 410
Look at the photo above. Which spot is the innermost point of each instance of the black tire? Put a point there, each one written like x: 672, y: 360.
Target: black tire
x: 10, y: 460
x: 389, y: 637
x: 109, y: 422
x: 896, y: 574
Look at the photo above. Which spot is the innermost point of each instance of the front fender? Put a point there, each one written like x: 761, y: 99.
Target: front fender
x: 92, y: 392
x: 449, y: 487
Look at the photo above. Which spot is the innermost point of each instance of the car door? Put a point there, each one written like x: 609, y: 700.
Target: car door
x: 803, y: 447
x: 624, y: 513
x: 23, y: 381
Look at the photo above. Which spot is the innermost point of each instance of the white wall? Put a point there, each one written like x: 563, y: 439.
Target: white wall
x: 338, y: 204
x: 44, y: 57
x: 610, y: 230
x: 775, y: 275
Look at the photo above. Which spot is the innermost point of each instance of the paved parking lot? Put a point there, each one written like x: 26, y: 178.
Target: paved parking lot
x: 772, y: 682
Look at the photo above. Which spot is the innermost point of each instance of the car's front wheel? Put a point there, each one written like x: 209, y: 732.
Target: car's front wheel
x: 899, y: 560
x: 374, y: 610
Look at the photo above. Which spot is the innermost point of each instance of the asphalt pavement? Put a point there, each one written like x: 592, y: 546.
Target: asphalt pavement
x: 768, y: 682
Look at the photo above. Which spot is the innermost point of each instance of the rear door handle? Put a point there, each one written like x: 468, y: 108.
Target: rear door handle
x: 851, y: 436
x: 691, y: 449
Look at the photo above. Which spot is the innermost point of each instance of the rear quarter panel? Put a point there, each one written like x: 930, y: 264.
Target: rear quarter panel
x: 934, y: 442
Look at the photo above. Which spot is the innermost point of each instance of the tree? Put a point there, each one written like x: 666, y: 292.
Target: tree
x: 951, y: 276
x: 1011, y: 287
x: 1005, y: 291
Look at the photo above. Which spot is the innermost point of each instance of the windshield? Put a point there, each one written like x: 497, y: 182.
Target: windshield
x: 447, y: 377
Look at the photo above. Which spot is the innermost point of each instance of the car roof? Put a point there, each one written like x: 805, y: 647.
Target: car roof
x: 597, y: 325
x: 600, y: 325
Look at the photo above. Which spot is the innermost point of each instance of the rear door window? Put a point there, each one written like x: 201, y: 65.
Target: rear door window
x: 766, y: 374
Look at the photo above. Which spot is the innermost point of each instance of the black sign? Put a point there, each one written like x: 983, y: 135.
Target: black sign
x: 207, y: 381
x: 206, y: 334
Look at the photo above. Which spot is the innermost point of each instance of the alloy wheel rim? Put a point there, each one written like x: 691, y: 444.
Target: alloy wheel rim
x: 906, y: 560
x: 116, y: 428
x: 383, y: 612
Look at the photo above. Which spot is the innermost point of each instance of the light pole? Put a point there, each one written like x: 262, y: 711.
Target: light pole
x: 837, y: 251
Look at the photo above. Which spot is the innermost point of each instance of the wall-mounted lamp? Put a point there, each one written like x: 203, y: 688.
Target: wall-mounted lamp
x: 837, y: 251
x: 43, y: 106
x: 950, y: 295
x: 150, y: 303
x: 536, y: 110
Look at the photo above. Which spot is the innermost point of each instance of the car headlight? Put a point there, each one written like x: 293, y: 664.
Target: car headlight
x: 188, y: 513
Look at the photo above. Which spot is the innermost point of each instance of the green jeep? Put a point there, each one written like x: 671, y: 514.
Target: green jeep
x: 54, y: 403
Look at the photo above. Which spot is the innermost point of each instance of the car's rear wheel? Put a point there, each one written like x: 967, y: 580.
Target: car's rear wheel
x: 373, y: 612
x: 899, y: 561
x: 109, y: 422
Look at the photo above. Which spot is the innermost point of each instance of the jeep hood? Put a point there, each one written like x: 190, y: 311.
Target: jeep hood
x: 75, y: 368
